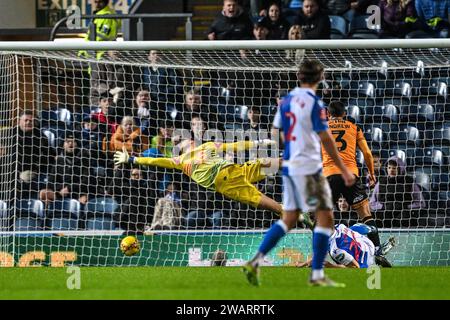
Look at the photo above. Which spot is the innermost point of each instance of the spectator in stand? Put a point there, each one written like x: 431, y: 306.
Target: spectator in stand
x: 233, y: 23
x: 136, y: 198
x: 91, y: 140
x: 277, y: 24
x: 128, y: 136
x: 296, y: 33
x: 69, y: 178
x: 168, y: 210
x: 359, y: 7
x: 398, y: 17
x: 396, y: 193
x: 260, y: 32
x: 193, y: 106
x: 256, y: 121
x: 106, y: 123
x: 162, y: 82
x: 434, y: 15
x: 162, y: 144
x: 33, y: 151
x: 313, y: 21
x: 147, y: 113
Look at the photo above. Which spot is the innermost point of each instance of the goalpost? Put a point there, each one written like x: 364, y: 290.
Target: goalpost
x: 63, y: 202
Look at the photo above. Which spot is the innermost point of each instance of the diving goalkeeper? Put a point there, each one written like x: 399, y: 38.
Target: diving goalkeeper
x: 207, y: 167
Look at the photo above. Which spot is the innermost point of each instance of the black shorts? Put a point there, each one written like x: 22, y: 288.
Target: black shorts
x: 353, y: 195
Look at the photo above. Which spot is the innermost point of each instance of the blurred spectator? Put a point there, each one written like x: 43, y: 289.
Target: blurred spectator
x: 433, y: 15
x: 146, y: 113
x: 28, y: 185
x: 136, y: 198
x: 193, y: 106
x: 232, y: 23
x: 396, y: 191
x: 260, y: 32
x: 343, y: 205
x: 69, y: 177
x: 398, y: 17
x: 162, y: 82
x: 130, y: 136
x: 106, y: 123
x: 359, y: 7
x: 162, y: 144
x: 33, y: 151
x: 296, y: 33
x: 91, y: 140
x: 168, y: 213
x: 256, y: 121
x: 313, y: 21
x: 278, y: 26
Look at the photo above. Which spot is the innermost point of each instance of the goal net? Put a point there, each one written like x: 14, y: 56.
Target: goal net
x: 64, y: 113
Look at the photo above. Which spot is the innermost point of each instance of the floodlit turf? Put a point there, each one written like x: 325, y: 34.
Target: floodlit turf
x: 219, y: 283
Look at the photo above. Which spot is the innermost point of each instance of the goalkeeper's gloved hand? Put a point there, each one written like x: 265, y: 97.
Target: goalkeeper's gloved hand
x: 122, y: 157
x: 265, y: 142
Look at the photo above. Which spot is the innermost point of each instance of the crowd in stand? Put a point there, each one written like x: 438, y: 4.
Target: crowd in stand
x: 273, y: 19
x: 70, y: 158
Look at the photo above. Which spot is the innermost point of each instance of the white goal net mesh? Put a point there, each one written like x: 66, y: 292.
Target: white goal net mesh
x: 63, y: 115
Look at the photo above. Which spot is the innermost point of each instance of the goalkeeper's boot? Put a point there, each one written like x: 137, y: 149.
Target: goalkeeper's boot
x: 306, y: 220
x: 325, y: 282
x: 252, y: 273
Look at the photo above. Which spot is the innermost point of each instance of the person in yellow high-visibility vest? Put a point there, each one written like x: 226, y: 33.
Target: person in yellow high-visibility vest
x: 105, y: 30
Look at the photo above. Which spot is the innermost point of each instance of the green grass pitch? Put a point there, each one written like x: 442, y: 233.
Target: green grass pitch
x: 167, y: 283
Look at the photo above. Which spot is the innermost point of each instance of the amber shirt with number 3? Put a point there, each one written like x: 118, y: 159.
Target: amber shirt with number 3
x: 348, y: 136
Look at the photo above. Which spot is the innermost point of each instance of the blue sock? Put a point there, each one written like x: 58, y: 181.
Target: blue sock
x: 321, y: 236
x: 275, y: 233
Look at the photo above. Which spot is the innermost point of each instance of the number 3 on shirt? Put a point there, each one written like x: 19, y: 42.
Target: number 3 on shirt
x: 289, y: 136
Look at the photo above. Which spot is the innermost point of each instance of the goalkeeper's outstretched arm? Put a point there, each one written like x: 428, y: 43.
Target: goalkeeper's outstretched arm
x: 122, y: 157
x: 245, y: 145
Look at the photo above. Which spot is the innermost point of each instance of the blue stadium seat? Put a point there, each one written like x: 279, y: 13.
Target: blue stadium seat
x: 30, y: 215
x: 400, y: 153
x: 339, y: 27
x: 374, y: 135
x: 423, y: 180
x: 363, y: 89
x: 440, y: 181
x: 64, y: 214
x: 100, y: 213
x: 51, y: 138
x: 429, y: 156
x: 403, y: 88
x: 418, y: 113
x: 409, y: 135
x: 440, y: 136
x: 355, y: 113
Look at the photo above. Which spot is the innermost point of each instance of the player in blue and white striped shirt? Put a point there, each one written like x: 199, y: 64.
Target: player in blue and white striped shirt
x: 303, y: 121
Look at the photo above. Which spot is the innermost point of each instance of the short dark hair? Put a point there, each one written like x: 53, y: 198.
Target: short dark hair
x: 392, y: 163
x: 26, y: 113
x: 336, y: 108
x: 310, y: 72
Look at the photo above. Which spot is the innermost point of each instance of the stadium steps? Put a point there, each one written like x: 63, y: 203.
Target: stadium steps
x: 204, y: 13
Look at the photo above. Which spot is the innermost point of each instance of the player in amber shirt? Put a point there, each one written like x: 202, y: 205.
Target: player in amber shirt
x: 349, y: 137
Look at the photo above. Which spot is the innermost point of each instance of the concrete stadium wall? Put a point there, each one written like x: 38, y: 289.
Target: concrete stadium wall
x: 17, y: 14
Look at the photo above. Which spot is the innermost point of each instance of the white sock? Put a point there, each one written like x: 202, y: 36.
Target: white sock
x: 317, y: 274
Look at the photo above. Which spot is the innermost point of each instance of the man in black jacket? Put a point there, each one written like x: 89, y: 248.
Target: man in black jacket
x: 314, y: 23
x: 233, y: 23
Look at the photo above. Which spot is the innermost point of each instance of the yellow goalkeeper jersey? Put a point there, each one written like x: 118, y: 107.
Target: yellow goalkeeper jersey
x: 202, y: 164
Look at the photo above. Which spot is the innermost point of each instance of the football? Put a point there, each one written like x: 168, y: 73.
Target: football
x: 129, y: 246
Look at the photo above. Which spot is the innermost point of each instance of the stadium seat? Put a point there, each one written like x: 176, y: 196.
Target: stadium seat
x: 400, y: 153
x: 64, y: 214
x: 374, y: 135
x: 51, y: 138
x: 423, y: 180
x: 359, y: 30
x: 440, y: 181
x: 402, y: 89
x: 4, y: 216
x: 100, y: 213
x: 29, y: 215
x: 406, y: 134
x: 339, y: 27
x: 440, y: 136
x: 355, y: 113
x: 363, y: 89
x: 418, y: 113
x: 429, y: 156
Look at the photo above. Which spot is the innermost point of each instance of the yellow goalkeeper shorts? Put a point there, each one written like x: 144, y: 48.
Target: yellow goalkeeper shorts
x: 235, y: 182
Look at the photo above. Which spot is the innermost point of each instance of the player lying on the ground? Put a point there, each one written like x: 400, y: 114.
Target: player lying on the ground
x: 352, y: 248
x: 207, y: 167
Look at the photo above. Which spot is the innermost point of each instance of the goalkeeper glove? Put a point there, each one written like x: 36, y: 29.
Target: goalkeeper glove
x: 265, y: 143
x: 410, y: 20
x: 122, y: 157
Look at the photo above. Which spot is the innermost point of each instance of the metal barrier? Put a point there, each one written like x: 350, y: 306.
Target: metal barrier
x: 139, y: 25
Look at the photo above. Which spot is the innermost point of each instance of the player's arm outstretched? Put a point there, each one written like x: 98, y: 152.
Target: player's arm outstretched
x: 246, y: 145
x: 122, y: 157
x: 330, y: 148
